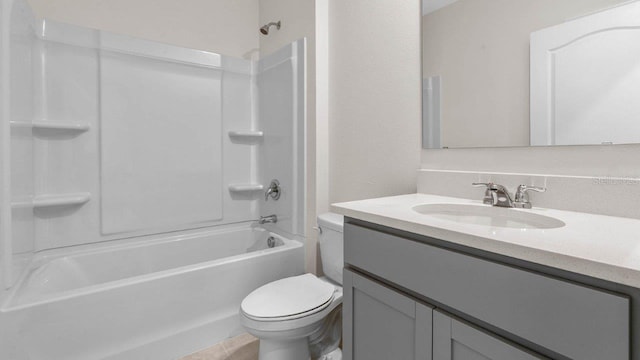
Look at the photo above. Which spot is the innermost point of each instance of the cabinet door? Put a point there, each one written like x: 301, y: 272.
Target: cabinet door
x: 382, y: 324
x: 455, y: 340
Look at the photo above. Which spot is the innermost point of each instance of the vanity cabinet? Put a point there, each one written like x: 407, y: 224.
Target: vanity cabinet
x: 377, y: 315
x: 501, y: 311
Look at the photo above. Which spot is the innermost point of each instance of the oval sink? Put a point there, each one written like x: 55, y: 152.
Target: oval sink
x: 489, y: 216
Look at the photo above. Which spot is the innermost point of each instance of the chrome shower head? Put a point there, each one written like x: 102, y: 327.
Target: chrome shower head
x: 265, y: 29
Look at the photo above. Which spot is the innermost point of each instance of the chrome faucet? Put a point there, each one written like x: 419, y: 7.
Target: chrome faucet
x: 273, y: 191
x: 269, y: 219
x: 498, y: 195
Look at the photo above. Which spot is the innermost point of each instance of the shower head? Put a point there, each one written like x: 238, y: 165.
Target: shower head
x: 265, y: 29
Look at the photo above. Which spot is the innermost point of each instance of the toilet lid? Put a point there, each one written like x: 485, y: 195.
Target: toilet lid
x: 288, y: 297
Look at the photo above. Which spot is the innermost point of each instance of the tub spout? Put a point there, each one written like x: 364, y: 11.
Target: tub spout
x: 270, y: 219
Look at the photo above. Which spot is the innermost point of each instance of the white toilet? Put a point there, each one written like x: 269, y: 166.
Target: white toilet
x: 299, y: 317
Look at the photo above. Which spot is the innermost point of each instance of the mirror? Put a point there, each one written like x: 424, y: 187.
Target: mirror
x: 530, y: 72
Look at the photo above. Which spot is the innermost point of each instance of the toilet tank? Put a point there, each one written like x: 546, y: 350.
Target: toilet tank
x: 331, y: 245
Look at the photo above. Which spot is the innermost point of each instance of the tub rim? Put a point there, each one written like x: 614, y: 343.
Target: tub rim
x: 46, y: 256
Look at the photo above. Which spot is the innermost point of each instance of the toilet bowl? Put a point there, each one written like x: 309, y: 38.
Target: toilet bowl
x: 299, y: 317
x: 285, y: 313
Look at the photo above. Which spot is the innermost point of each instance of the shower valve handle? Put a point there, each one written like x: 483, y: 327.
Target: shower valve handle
x: 273, y: 191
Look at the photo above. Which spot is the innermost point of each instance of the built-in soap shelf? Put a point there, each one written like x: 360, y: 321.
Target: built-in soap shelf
x: 50, y: 200
x: 245, y: 188
x: 53, y: 126
x: 248, y: 137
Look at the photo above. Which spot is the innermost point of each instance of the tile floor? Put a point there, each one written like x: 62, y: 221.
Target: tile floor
x: 242, y: 347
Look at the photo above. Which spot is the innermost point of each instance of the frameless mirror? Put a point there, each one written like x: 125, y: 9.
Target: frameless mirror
x: 530, y: 72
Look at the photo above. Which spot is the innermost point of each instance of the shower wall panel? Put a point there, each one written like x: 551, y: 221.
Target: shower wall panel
x: 161, y: 144
x: 21, y: 49
x: 111, y: 137
x: 66, y: 158
x: 281, y: 86
x: 152, y: 155
x: 21, y: 46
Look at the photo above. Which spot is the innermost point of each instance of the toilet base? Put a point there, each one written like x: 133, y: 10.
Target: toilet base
x: 297, y: 349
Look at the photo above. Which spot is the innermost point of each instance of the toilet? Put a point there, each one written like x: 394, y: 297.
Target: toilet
x: 300, y: 317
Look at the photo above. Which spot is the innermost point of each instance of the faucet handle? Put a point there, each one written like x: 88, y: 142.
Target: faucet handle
x: 522, y: 189
x: 488, y: 197
x: 522, y: 198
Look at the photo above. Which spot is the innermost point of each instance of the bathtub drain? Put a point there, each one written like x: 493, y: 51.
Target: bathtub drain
x: 271, y: 241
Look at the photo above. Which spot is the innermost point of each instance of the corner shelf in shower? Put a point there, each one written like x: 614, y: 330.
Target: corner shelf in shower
x: 54, y: 126
x: 249, y: 137
x: 50, y: 200
x: 245, y: 188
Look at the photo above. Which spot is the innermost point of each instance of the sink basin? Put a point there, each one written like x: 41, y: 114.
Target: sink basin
x: 488, y: 216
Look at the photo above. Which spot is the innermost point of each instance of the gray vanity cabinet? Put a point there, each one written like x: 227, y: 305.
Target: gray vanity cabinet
x: 387, y: 325
x: 388, y: 278
x: 384, y: 324
x: 456, y: 340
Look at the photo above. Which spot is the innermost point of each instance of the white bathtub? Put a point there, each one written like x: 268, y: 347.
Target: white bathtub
x: 155, y: 299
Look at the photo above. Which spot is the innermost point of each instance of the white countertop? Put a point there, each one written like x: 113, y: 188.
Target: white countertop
x: 602, y: 247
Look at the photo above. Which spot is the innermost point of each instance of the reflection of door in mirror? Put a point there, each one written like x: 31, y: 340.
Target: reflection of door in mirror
x: 585, y: 74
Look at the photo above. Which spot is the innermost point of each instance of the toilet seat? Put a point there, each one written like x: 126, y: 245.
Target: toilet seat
x: 288, y: 299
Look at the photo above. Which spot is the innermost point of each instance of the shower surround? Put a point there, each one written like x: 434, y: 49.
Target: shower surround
x: 133, y: 175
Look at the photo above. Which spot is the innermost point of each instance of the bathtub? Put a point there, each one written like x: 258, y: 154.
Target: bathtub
x: 151, y: 299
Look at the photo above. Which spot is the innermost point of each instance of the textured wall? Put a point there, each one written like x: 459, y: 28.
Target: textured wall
x: 374, y: 98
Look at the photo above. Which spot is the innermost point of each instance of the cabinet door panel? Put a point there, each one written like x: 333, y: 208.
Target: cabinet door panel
x: 455, y: 340
x: 382, y: 324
